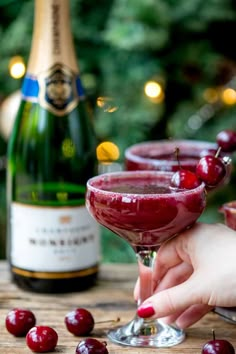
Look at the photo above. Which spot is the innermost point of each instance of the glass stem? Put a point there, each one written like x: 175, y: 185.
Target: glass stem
x: 146, y: 260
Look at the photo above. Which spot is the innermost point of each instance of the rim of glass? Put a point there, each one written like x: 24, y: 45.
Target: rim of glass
x: 131, y: 153
x: 125, y: 174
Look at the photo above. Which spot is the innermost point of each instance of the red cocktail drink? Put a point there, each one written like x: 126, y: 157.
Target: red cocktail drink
x: 142, y: 208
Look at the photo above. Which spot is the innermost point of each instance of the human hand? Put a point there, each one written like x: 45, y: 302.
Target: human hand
x: 195, y: 272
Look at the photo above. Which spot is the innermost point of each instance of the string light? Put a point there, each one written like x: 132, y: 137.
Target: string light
x: 107, y: 152
x: 154, y: 91
x: 106, y: 103
x: 228, y: 96
x: 211, y: 95
x: 17, y: 67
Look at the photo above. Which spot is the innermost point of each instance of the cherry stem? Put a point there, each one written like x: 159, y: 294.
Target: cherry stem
x: 107, y: 321
x: 177, y: 156
x: 218, y: 151
x: 226, y: 160
x: 213, y: 335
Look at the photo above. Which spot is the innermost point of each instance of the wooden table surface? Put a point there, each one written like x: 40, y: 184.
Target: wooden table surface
x: 109, y: 299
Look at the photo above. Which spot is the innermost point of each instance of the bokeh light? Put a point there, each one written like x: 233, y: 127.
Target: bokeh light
x: 154, y: 91
x: 107, y: 152
x: 229, y: 96
x: 107, y: 104
x: 68, y: 148
x: 211, y: 95
x: 17, y: 67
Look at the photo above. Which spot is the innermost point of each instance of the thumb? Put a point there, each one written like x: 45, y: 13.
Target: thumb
x: 136, y: 290
x: 169, y: 301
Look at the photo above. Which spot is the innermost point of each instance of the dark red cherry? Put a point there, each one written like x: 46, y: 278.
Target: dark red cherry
x: 211, y: 170
x: 184, y: 179
x: 91, y: 346
x: 226, y: 139
x: 218, y: 346
x: 42, y: 339
x: 19, y: 321
x: 79, y: 322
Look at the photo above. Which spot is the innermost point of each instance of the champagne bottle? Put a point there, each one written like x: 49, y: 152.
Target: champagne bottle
x: 53, y: 243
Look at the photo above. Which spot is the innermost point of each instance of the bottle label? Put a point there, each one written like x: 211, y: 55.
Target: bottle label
x: 44, y: 239
x: 57, y: 90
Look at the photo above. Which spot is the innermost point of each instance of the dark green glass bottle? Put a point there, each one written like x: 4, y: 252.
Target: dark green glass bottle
x: 53, y: 243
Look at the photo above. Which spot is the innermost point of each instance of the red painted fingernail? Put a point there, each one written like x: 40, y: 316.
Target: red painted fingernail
x: 145, y: 311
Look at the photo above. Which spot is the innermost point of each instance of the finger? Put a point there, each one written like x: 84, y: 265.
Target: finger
x: 171, y: 318
x: 189, y: 316
x: 145, y: 282
x: 172, y: 253
x: 172, y: 300
x: 167, y: 258
x: 136, y: 290
x: 175, y: 276
x: 192, y: 315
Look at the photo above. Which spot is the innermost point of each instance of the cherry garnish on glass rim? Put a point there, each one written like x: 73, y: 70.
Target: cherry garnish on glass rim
x: 226, y: 139
x: 211, y: 169
x: 183, y: 178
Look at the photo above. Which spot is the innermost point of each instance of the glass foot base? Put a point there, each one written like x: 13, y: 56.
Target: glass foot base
x: 146, y: 333
x: 227, y: 313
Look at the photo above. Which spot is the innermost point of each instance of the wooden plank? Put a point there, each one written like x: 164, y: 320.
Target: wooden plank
x: 112, y: 297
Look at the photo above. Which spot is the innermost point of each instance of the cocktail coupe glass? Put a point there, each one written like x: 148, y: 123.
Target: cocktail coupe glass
x: 161, y: 154
x: 142, y: 208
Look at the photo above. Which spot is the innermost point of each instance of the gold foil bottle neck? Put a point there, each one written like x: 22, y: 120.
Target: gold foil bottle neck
x: 52, y: 38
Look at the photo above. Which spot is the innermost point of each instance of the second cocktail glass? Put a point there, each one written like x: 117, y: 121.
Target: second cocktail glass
x: 161, y: 155
x: 142, y: 208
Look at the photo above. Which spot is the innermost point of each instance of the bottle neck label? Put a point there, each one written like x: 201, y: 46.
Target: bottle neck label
x: 58, y: 89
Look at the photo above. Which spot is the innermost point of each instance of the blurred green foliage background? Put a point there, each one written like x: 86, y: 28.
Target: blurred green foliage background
x: 185, y: 46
